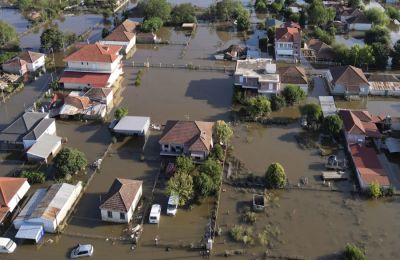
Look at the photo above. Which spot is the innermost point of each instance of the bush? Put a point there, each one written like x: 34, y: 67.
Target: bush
x: 183, y: 13
x: 69, y: 161
x: 217, y: 152
x: 120, y: 112
x: 277, y: 102
x: 275, y: 176
x: 181, y: 184
x: 152, y: 24
x: 34, y: 177
x: 257, y: 107
x: 249, y: 217
x: 222, y: 131
x: 352, y: 252
x: 293, y: 94
x: 331, y: 125
x: 241, y: 234
x: 375, y: 190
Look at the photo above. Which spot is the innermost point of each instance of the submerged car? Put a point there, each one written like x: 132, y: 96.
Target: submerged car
x: 82, y: 251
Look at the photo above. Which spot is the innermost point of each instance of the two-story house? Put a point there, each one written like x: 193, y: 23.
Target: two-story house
x: 93, y: 65
x: 27, y: 61
x: 257, y: 74
x: 123, y: 35
x: 348, y: 81
x: 287, y: 43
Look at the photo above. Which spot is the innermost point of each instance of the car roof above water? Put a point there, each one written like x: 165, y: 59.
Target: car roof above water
x: 155, y: 209
x: 173, y: 200
x: 4, y: 241
x: 86, y: 247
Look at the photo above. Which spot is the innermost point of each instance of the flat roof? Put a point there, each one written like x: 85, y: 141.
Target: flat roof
x: 257, y: 68
x: 33, y: 232
x: 132, y: 123
x: 328, y: 106
x: 45, y: 145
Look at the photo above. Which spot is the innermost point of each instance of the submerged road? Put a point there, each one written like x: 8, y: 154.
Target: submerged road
x: 15, y: 105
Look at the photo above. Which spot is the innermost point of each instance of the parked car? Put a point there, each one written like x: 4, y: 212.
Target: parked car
x: 155, y: 214
x: 82, y: 251
x: 173, y: 203
x: 7, y: 245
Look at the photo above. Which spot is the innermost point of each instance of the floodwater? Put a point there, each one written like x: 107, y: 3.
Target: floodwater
x: 350, y: 39
x: 200, y: 3
x: 375, y: 105
x: 14, y: 18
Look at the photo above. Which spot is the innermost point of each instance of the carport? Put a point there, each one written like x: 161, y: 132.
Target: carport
x: 30, y: 232
x: 132, y: 125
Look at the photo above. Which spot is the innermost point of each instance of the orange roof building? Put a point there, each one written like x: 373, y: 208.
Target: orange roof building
x: 12, y: 190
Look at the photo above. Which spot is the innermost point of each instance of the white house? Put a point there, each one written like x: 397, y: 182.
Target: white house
x: 287, y: 43
x: 48, y: 208
x: 359, y: 22
x: 12, y: 190
x: 45, y: 126
x: 347, y: 80
x: 27, y: 61
x: 121, y: 200
x: 132, y: 125
x: 123, y: 35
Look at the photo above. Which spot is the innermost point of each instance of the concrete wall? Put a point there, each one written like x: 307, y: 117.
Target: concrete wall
x: 18, y: 196
x: 94, y: 66
x: 37, y: 64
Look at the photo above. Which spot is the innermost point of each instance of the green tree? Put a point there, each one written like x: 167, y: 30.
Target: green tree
x: 222, y: 131
x: 277, y: 6
x: 155, y: 8
x: 396, y: 55
x: 341, y: 53
x: 120, y: 112
x: 217, y: 152
x: 331, y: 125
x: 261, y: 6
x: 277, y: 102
x: 352, y: 252
x: 34, y: 176
x: 293, y: 94
x: 271, y: 35
x: 52, y: 38
x: 212, y: 168
x: 360, y: 56
x: 318, y: 14
x: 393, y: 13
x: 7, y: 34
x: 275, y: 176
x: 377, y: 34
x: 183, y: 13
x: 323, y: 35
x: 312, y: 111
x: 204, y: 185
x: 377, y: 16
x: 302, y: 18
x: 381, y: 54
x: 375, y: 190
x: 289, y: 2
x: 258, y: 107
x: 152, y: 24
x: 181, y: 184
x: 354, y: 3
x: 69, y: 161
x: 105, y: 32
x: 184, y: 164
x: 227, y: 10
x: 243, y: 20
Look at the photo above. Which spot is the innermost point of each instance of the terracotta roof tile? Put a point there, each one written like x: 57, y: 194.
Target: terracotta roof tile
x: 122, y: 36
x: 78, y: 102
x: 360, y: 122
x: 30, y: 56
x: 348, y: 76
x: 121, y: 195
x: 8, y: 188
x: 287, y: 34
x: 95, y: 53
x: 98, y: 80
x: 293, y: 75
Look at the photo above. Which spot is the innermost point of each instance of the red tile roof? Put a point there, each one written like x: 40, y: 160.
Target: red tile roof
x: 348, y: 76
x: 95, y: 53
x: 121, y: 195
x: 16, y: 62
x: 367, y: 163
x: 360, y: 122
x: 287, y: 34
x: 77, y: 101
x: 8, y: 188
x: 291, y: 24
x: 120, y: 36
x: 98, y: 80
x: 127, y: 26
x: 293, y: 75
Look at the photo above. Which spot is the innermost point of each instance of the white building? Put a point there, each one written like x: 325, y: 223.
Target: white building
x: 27, y: 61
x: 287, y: 43
x: 123, y: 35
x: 12, y: 190
x: 48, y: 208
x: 132, y: 125
x: 121, y: 200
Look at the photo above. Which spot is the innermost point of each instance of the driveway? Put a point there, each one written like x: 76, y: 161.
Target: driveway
x: 320, y: 89
x: 16, y: 105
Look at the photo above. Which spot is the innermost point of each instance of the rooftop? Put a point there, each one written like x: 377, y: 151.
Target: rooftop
x: 95, y: 53
x: 262, y: 68
x: 360, y: 122
x: 293, y: 75
x: 384, y: 82
x: 287, y: 34
x: 97, y: 80
x: 349, y: 76
x: 132, y: 123
x: 327, y: 105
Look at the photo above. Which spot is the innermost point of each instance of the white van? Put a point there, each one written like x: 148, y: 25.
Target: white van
x: 173, y: 203
x: 155, y: 214
x: 7, y: 245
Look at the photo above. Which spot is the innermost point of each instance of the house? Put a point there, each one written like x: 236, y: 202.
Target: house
x: 147, y: 38
x: 93, y: 65
x: 191, y: 138
x: 347, y: 80
x: 320, y: 51
x: 46, y: 147
x: 368, y: 167
x: 77, y: 104
x: 123, y: 35
x: 287, y: 43
x: 271, y: 22
x: 344, y: 13
x: 291, y: 24
x: 27, y: 61
x: 121, y: 200
x: 359, y: 125
x: 359, y: 22
x: 101, y: 95
x: 235, y: 52
x: 132, y: 125
x: 257, y: 74
x: 49, y: 207
x: 293, y: 75
x: 384, y: 85
x: 12, y: 190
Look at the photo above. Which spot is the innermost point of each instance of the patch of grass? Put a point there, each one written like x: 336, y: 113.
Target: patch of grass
x: 242, y: 234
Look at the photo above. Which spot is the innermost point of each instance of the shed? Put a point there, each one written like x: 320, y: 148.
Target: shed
x: 328, y: 106
x: 133, y: 125
x: 31, y: 232
x: 46, y: 146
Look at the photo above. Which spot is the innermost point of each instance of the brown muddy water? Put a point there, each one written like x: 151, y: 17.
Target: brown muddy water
x: 376, y: 105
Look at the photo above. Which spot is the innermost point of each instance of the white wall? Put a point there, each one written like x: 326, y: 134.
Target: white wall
x: 94, y: 66
x: 127, y: 45
x: 360, y: 26
x: 37, y: 64
x: 354, y: 138
x: 18, y: 196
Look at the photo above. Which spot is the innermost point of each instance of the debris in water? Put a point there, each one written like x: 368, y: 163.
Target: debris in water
x: 50, y: 241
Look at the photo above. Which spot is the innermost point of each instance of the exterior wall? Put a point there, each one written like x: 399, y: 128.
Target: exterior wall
x: 54, y: 151
x: 32, y: 67
x: 93, y: 66
x: 269, y: 88
x: 28, y: 143
x: 127, y: 45
x: 198, y: 155
x: 338, y: 89
x: 51, y: 130
x: 360, y: 26
x: 15, y: 70
x: 179, y: 149
x: 290, y: 51
x: 354, y: 138
x: 379, y: 92
x: 109, y: 99
x: 18, y: 196
x: 364, y: 89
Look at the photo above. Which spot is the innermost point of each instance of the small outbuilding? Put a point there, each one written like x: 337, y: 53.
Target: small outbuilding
x: 47, y: 146
x: 30, y: 232
x: 328, y: 106
x: 132, y: 125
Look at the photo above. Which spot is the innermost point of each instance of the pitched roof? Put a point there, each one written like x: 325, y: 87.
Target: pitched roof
x: 367, y: 163
x: 287, y: 34
x: 97, y: 80
x: 360, y: 122
x: 121, y: 195
x: 127, y: 26
x: 30, y: 56
x: 359, y: 18
x: 119, y: 35
x: 321, y: 49
x: 16, y: 62
x: 95, y: 53
x: 77, y: 101
x: 195, y: 135
x: 98, y: 93
x: 39, y: 129
x: 293, y: 75
x: 348, y: 76
x: 291, y: 24
x: 9, y: 186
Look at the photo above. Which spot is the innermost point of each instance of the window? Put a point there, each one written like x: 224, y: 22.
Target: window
x: 270, y: 86
x: 122, y: 215
x: 109, y: 214
x: 82, y: 63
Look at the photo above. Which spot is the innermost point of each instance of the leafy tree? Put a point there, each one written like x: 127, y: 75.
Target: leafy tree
x: 381, y: 54
x: 302, y: 18
x: 152, y: 24
x: 105, y: 32
x: 312, y: 111
x: 181, y: 184
x: 341, y: 53
x: 69, y: 161
x: 289, y: 2
x: 222, y: 131
x: 354, y: 3
x: 155, y: 8
x: 318, y: 14
x: 7, y: 34
x: 243, y: 20
x: 271, y: 35
x: 323, y: 35
x: 258, y: 107
x: 375, y: 190
x: 261, y: 6
x: 204, y: 185
x: 277, y: 6
x: 331, y: 125
x: 377, y: 16
x: 184, y: 164
x: 217, y: 152
x: 275, y: 176
x: 360, y: 56
x: 396, y: 55
x: 293, y: 94
x: 277, y: 102
x: 393, y: 13
x: 52, y: 38
x: 295, y: 17
x: 213, y: 169
x: 120, y: 112
x: 183, y: 13
x: 34, y: 177
x: 377, y: 34
x: 352, y: 252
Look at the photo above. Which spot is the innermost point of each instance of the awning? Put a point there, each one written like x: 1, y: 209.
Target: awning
x: 33, y: 232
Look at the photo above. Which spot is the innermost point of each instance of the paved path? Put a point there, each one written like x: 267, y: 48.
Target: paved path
x: 16, y: 105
